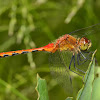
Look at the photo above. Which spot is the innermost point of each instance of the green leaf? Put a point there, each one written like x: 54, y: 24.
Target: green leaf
x: 42, y: 89
x: 69, y: 98
x: 86, y: 90
x: 96, y: 89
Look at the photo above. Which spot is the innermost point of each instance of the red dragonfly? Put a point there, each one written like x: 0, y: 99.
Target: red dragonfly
x: 60, y: 51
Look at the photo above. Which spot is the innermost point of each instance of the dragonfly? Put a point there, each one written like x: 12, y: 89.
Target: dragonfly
x: 68, y: 50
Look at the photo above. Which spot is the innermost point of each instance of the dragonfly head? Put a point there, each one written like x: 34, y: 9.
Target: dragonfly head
x: 84, y: 44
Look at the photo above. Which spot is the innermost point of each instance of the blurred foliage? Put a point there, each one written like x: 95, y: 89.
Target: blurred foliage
x: 28, y: 24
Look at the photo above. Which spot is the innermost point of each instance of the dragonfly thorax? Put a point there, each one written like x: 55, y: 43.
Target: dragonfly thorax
x: 84, y: 44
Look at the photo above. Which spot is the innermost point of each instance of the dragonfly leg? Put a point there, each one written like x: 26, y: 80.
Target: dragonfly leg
x: 82, y: 55
x: 76, y: 67
x: 73, y: 57
x: 83, y: 60
x: 79, y: 59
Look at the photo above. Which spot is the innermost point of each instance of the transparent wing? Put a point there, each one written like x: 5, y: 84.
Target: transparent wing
x: 59, y: 66
x: 59, y: 70
x: 94, y: 29
x: 92, y: 33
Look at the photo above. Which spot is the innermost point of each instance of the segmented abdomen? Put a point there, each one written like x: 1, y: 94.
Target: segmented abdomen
x: 13, y: 53
x: 47, y: 48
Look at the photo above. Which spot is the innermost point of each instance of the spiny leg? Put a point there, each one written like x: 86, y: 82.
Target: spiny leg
x: 75, y: 65
x: 83, y: 60
x: 73, y: 57
x: 79, y: 59
x: 91, y: 52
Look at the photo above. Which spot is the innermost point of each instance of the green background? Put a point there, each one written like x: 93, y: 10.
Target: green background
x: 28, y: 24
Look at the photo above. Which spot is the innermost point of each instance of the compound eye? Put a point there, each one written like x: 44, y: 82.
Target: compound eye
x: 85, y: 44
